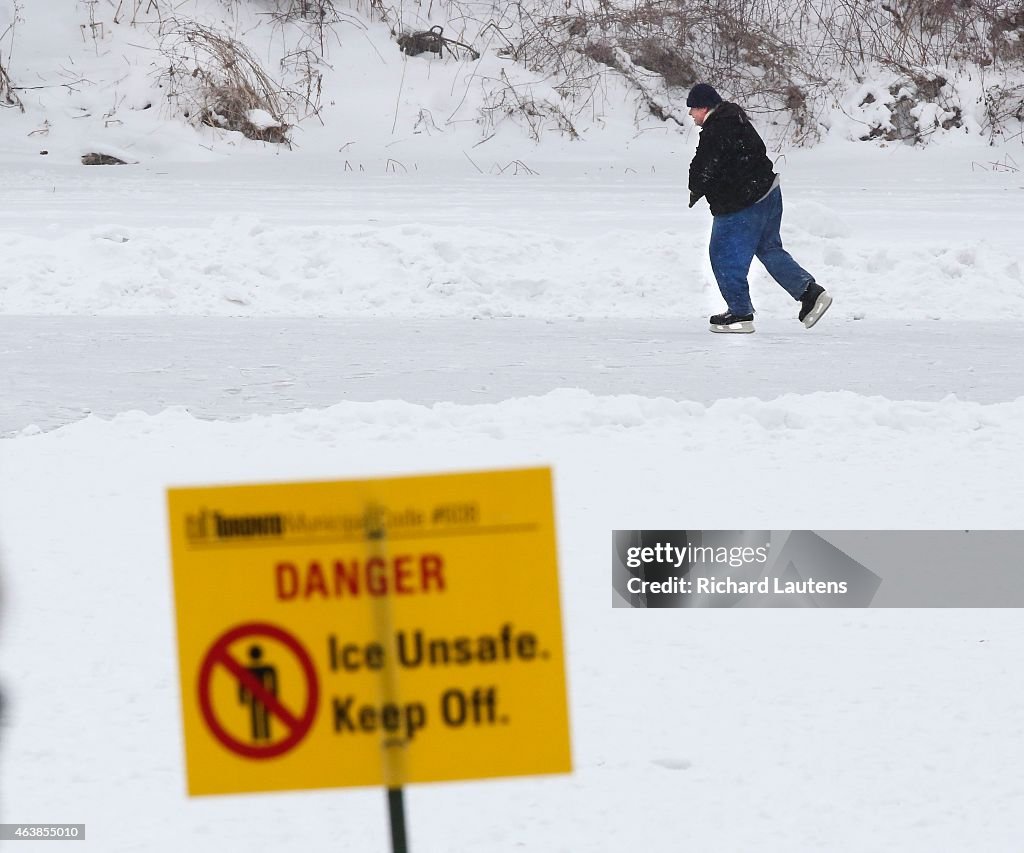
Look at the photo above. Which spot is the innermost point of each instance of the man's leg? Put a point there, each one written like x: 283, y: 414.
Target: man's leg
x: 734, y: 239
x: 779, y: 263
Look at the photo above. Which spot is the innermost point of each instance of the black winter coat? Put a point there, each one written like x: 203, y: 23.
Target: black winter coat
x: 731, y: 166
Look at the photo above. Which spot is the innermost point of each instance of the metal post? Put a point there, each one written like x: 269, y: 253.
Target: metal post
x: 396, y: 810
x: 394, y: 749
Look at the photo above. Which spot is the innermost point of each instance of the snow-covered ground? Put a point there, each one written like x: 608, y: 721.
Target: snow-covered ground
x: 752, y: 730
x: 381, y: 301
x: 709, y: 731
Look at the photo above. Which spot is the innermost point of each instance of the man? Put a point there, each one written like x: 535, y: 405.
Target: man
x: 732, y: 170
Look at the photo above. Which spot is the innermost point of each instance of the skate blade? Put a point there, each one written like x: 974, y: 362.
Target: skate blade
x: 744, y: 327
x: 820, y: 307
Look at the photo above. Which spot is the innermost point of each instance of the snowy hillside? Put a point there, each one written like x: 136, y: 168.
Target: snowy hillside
x: 151, y: 80
x: 95, y: 77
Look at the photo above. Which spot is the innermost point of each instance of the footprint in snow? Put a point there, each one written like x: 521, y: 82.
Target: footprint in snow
x: 673, y: 763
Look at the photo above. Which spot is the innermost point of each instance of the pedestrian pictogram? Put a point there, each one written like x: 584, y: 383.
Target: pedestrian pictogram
x: 267, y: 677
x: 258, y: 692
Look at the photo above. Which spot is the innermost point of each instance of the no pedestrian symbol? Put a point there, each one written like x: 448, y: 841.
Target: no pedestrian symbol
x: 259, y: 691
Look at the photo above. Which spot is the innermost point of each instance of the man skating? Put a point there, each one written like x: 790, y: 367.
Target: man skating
x: 732, y: 170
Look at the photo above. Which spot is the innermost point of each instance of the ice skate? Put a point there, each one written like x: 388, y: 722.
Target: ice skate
x: 813, y: 304
x: 735, y: 324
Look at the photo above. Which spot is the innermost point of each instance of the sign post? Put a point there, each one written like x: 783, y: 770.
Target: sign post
x: 396, y: 813
x: 370, y: 632
x: 376, y: 538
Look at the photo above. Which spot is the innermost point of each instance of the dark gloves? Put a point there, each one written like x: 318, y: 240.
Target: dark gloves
x: 694, y: 198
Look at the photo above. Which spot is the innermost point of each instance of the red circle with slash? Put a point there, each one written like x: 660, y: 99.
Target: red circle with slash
x: 298, y: 725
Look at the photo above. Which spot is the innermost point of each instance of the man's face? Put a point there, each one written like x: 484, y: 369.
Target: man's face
x: 698, y: 114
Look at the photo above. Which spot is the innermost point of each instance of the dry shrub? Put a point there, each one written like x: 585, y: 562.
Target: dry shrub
x: 675, y: 66
x: 951, y: 33
x: 503, y: 100
x: 601, y: 51
x: 773, y: 55
x: 8, y: 97
x: 742, y: 46
x: 1007, y: 35
x: 214, y: 80
x: 1004, y: 104
x: 316, y: 20
x: 309, y: 10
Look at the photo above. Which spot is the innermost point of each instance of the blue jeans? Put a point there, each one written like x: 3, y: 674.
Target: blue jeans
x: 737, y: 238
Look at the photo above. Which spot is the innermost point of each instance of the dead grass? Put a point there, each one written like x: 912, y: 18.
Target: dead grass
x: 214, y: 80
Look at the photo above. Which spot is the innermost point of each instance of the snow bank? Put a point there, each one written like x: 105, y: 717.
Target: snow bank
x: 847, y: 456
x: 825, y: 707
x: 246, y: 266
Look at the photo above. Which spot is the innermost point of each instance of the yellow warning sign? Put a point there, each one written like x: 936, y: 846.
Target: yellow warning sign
x: 369, y: 632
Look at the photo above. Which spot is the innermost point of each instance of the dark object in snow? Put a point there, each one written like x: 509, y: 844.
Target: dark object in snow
x: 425, y: 41
x: 431, y: 41
x: 101, y: 160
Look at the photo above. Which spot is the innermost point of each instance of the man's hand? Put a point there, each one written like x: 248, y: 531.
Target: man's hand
x: 694, y: 198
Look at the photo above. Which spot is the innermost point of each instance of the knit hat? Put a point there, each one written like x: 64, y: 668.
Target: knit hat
x: 703, y: 95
